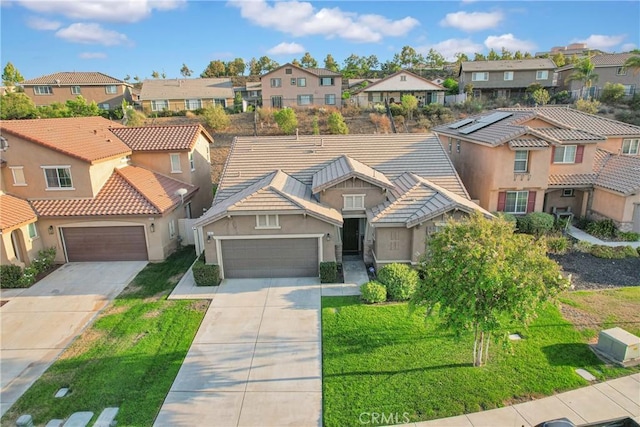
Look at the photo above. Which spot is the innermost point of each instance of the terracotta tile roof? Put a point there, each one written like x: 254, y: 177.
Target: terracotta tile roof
x: 620, y: 173
x: 506, y: 65
x: 412, y: 82
x: 67, y: 78
x: 129, y: 191
x: 15, y: 212
x: 572, y: 180
x: 569, y: 135
x: 599, y: 159
x: 161, y: 138
x: 155, y: 89
x: 528, y: 143
x: 85, y: 138
x: 343, y: 168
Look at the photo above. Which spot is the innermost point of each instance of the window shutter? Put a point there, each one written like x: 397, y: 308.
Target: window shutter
x: 553, y: 152
x: 579, y: 153
x: 531, y: 201
x: 502, y: 200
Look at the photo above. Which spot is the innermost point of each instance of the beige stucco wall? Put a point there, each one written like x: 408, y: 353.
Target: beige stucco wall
x: 90, y: 93
x: 30, y: 247
x: 333, y: 196
x: 614, y: 144
x: 179, y: 104
x: 610, y: 205
x: 289, y: 92
x: 574, y: 168
x: 392, y: 244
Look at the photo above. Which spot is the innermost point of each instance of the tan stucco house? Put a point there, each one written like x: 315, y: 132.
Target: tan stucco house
x: 551, y: 159
x: 185, y: 94
x: 92, y: 201
x: 297, y: 87
x: 285, y: 204
x: 391, y: 89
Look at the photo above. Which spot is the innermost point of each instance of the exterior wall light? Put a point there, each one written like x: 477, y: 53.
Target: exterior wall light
x: 152, y: 227
x: 50, y: 229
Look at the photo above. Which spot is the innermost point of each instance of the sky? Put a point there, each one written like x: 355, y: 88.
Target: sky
x: 137, y: 37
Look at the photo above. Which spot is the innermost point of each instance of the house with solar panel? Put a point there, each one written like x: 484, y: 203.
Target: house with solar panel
x: 548, y: 159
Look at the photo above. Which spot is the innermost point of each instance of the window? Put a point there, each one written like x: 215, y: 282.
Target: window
x: 276, y: 82
x: 450, y: 145
x: 192, y: 104
x: 326, y: 81
x: 18, y: 175
x: 330, y: 99
x: 521, y: 163
x: 394, y: 240
x: 353, y: 201
x: 629, y: 90
x: 508, y: 75
x: 253, y: 94
x: 42, y: 90
x: 267, y: 221
x: 104, y: 106
x: 175, y: 163
x: 480, y: 77
x: 192, y: 163
x: 293, y: 81
x: 542, y: 75
x: 33, y: 232
x: 172, y: 229
x: 305, y: 99
x: 276, y: 101
x: 58, y: 177
x: 630, y: 146
x: 302, y: 82
x: 457, y: 145
x: 159, y: 105
x: 567, y: 192
x: 621, y: 71
x: 75, y: 90
x: 565, y: 154
x: 220, y: 102
x: 288, y: 71
x: 516, y: 202
x: 403, y: 78
x: 111, y: 89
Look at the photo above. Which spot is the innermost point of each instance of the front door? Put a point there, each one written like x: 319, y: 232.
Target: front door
x: 351, y: 236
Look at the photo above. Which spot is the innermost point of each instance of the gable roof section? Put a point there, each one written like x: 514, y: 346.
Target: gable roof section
x: 276, y: 191
x: 85, y: 138
x: 319, y: 72
x: 618, y: 173
x: 15, y: 212
x: 343, y: 168
x: 567, y: 135
x: 415, y: 200
x: 494, y: 134
x: 508, y: 65
x: 161, y: 138
x: 412, y: 83
x: 131, y: 190
x: 67, y: 78
x: 166, y: 89
x: 604, y: 60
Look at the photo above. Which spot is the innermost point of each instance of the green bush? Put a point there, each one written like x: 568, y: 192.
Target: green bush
x: 328, y: 272
x: 336, y: 124
x: 557, y: 244
x: 10, y: 276
x: 604, y: 228
x: 373, y: 292
x: 400, y: 279
x: 507, y: 217
x: 582, y: 222
x: 540, y: 223
x: 397, y: 110
x: 45, y: 260
x: 216, y: 117
x: 583, y: 246
x: 205, y: 274
x: 286, y: 120
x: 628, y: 236
x: 613, y: 252
x: 28, y: 276
x: 612, y: 93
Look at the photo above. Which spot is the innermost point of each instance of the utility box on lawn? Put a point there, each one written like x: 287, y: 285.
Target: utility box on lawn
x: 619, y: 346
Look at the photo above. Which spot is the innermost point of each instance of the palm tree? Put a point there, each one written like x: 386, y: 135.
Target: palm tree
x: 633, y: 63
x: 584, y: 71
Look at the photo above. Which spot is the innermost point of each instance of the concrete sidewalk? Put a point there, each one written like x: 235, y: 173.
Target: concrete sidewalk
x: 586, y: 237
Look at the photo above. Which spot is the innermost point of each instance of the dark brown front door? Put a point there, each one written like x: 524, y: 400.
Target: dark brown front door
x: 350, y: 235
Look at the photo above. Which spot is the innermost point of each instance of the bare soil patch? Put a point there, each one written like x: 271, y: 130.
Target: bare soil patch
x: 589, y: 272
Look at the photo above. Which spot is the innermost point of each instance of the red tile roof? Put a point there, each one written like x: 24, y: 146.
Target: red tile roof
x: 160, y: 138
x: 15, y: 212
x: 74, y: 78
x: 85, y: 138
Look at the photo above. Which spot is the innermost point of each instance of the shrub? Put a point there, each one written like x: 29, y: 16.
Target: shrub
x: 316, y: 126
x: 382, y: 122
x: 328, y: 272
x: 562, y: 97
x: 205, y: 274
x: 45, y: 259
x: 286, y: 120
x: 628, y: 236
x: 507, y: 217
x: 612, y: 93
x: 400, y: 279
x: 604, y: 228
x: 583, y: 246
x: 536, y: 223
x: 582, y: 222
x: 613, y: 252
x: 634, y: 102
x: 587, y: 106
x: 28, y: 276
x: 10, y: 276
x: 373, y: 292
x: 557, y: 244
x: 561, y: 224
x: 336, y: 124
x: 216, y: 118
x: 397, y: 110
x: 437, y: 114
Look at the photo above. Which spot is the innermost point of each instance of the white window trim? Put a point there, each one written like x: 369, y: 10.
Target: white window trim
x: 516, y: 161
x: 36, y: 90
x: 354, y: 197
x: 73, y: 92
x: 564, y: 160
x: 508, y: 74
x: 173, y: 156
x: 568, y: 192
x: 192, y: 162
x: 172, y: 229
x: 475, y: 75
x: 154, y: 105
x: 268, y: 225
x: 187, y: 104
x: 516, y: 202
x: 13, y: 174
x: 46, y: 183
x: 35, y: 231
x: 545, y: 72
x: 631, y: 143
x: 621, y: 71
x: 115, y: 89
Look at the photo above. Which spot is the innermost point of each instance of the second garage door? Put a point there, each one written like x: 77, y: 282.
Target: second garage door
x: 270, y: 258
x: 105, y: 243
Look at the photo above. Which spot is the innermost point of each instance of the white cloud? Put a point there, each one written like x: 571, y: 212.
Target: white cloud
x: 42, y: 24
x: 91, y: 34
x: 509, y: 42
x: 302, y: 19
x: 472, y: 21
x: 286, y: 49
x: 598, y: 41
x: 92, y: 55
x: 627, y: 47
x: 102, y: 10
x: 448, y: 48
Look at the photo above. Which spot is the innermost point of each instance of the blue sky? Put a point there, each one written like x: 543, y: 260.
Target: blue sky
x: 136, y: 37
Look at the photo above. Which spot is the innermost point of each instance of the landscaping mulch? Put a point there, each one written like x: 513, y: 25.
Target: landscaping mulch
x: 590, y: 272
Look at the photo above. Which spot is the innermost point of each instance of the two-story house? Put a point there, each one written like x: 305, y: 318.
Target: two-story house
x: 548, y: 159
x: 284, y: 205
x: 293, y: 86
x: 506, y: 78
x: 185, y: 94
x: 106, y: 91
x: 393, y: 87
x: 92, y: 202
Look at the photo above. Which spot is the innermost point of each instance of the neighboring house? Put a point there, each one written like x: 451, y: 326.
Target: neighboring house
x: 293, y: 86
x: 393, y: 87
x: 506, y: 78
x: 609, y: 68
x: 578, y: 49
x: 551, y: 159
x: 18, y: 229
x: 251, y: 94
x: 286, y: 204
x: 185, y: 94
x: 108, y: 92
x: 92, y: 201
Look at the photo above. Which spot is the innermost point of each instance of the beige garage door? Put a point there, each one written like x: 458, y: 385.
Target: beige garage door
x: 105, y: 244
x: 270, y: 258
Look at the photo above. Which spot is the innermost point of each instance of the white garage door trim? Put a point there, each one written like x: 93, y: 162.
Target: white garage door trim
x: 219, y: 239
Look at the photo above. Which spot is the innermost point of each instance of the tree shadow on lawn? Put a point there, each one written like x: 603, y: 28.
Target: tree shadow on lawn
x: 570, y: 354
x: 400, y: 371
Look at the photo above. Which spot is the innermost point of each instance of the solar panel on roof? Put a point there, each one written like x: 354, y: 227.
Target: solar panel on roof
x: 494, y: 117
x: 474, y: 128
x: 460, y: 123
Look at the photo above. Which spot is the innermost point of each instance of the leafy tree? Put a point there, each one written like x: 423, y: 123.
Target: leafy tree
x: 296, y: 62
x: 55, y: 110
x: 533, y: 87
x: 518, y: 55
x: 408, y: 58
x: 482, y: 276
x: 331, y: 64
x: 584, y: 72
x: 479, y: 57
x: 286, y: 120
x: 155, y: 74
x: 390, y: 67
x: 254, y: 67
x: 216, y: 118
x: 371, y: 62
x: 506, y: 54
x: 461, y: 57
x: 236, y: 67
x: 11, y: 75
x: 215, y: 68
x: 163, y: 74
x: 632, y: 63
x: 316, y: 125
x: 267, y: 64
x: 587, y: 105
x: 559, y: 59
x: 127, y: 78
x: 79, y: 107
x: 410, y: 104
x: 452, y: 86
x: 352, y: 67
x: 185, y: 71
x: 493, y: 55
x: 527, y: 55
x: 612, y: 93
x: 434, y: 58
x: 17, y: 105
x: 541, y: 97
x: 336, y: 124
x: 308, y: 61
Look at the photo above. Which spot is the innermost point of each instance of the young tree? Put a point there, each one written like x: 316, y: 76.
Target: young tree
x: 506, y: 54
x: 11, y: 75
x: 185, y: 71
x: 461, y: 57
x: 216, y: 118
x: 331, y: 64
x: 127, y: 78
x: 79, y: 107
x: 308, y: 61
x: 479, y: 57
x: 236, y: 67
x: 493, y: 55
x: 517, y: 55
x: 482, y: 276
x: 254, y: 67
x: 336, y: 124
x: 559, y: 59
x: 267, y: 64
x: 527, y: 55
x: 541, y: 96
x: 434, y: 58
x: 286, y: 120
x: 633, y: 63
x: 17, y: 105
x: 215, y: 68
x: 584, y: 72
x: 351, y: 68
x: 410, y: 104
x: 451, y: 85
x: 296, y: 62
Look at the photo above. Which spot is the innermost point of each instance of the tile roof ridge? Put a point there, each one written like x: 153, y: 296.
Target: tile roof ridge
x: 134, y: 187
x: 234, y: 144
x: 402, y: 196
x: 541, y: 135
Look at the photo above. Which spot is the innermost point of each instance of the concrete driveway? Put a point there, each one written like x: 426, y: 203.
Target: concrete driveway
x: 38, y: 323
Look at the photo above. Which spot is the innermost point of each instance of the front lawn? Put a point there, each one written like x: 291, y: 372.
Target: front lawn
x: 381, y: 359
x: 128, y: 358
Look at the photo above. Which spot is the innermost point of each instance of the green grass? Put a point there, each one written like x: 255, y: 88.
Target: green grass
x: 128, y: 358
x: 380, y: 358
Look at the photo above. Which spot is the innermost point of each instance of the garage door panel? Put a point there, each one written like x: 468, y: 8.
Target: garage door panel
x: 270, y: 258
x: 105, y: 243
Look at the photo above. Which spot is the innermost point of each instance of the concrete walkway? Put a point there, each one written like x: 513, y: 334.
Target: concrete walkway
x: 581, y: 235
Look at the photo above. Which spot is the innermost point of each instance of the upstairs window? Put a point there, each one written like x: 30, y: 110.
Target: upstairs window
x: 267, y: 221
x: 621, y: 71
x: 111, y: 89
x: 75, y: 90
x: 42, y: 90
x: 565, y: 154
x: 58, y: 177
x: 630, y: 146
x: 288, y: 71
x: 508, y: 75
x: 276, y: 82
x: 542, y: 75
x: 403, y: 78
x: 326, y: 81
x: 480, y: 77
x: 192, y: 163
x: 353, y: 201
x: 521, y: 163
x: 175, y: 163
x: 18, y: 175
x: 302, y: 82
